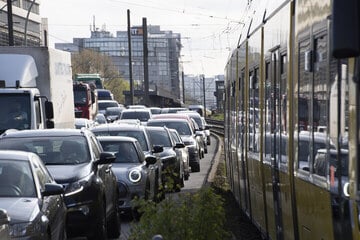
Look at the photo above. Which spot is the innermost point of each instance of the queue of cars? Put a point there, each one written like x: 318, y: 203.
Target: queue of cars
x: 76, y: 182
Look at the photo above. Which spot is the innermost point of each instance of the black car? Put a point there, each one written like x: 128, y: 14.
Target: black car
x: 76, y: 160
x: 189, y: 137
x: 172, y: 164
x: 31, y: 198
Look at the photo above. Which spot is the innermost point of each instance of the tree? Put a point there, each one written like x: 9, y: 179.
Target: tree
x: 90, y: 61
x: 117, y: 86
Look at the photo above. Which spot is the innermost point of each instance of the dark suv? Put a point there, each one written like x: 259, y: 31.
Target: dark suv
x: 76, y: 160
x: 189, y: 137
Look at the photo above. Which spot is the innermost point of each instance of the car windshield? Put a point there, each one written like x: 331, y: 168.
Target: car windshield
x: 52, y: 150
x: 138, y: 135
x: 104, y: 105
x: 182, y: 127
x: 16, y: 179
x: 159, y: 137
x: 125, y: 152
x: 142, y: 116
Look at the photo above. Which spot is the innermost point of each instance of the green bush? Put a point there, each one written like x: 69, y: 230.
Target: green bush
x: 196, y: 216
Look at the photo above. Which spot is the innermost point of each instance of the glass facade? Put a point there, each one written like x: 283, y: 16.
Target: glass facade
x: 163, y: 56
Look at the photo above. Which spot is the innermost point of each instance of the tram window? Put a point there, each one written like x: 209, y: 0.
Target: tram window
x: 267, y: 139
x: 304, y: 108
x: 283, y: 63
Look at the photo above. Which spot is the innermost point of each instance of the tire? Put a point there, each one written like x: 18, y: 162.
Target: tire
x: 113, y: 230
x: 195, y: 168
x: 99, y: 232
x: 206, y: 150
x: 186, y: 177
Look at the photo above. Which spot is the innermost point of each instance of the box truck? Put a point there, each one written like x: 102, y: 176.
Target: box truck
x: 36, y: 90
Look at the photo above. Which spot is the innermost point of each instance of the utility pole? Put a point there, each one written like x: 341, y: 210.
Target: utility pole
x: 130, y: 60
x: 203, y: 82
x: 145, y: 61
x: 183, y: 85
x: 10, y: 23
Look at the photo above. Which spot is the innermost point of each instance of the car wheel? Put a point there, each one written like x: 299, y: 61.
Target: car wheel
x: 100, y: 228
x: 196, y: 167
x: 206, y: 150
x: 187, y: 175
x: 113, y: 230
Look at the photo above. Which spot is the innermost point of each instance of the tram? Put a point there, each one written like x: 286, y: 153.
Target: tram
x: 292, y: 117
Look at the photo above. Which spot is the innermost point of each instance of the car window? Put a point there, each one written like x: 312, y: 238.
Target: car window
x: 125, y: 152
x: 95, y: 147
x: 182, y: 127
x: 160, y: 138
x: 142, y: 116
x: 175, y: 137
x: 139, y: 135
x: 65, y: 150
x: 16, y: 179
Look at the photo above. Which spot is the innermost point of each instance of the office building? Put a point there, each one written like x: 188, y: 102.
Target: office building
x: 164, y: 65
x: 26, y: 23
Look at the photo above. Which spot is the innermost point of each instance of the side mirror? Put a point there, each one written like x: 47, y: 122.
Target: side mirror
x: 150, y: 160
x: 50, y: 124
x: 158, y: 149
x: 49, y: 110
x: 92, y: 97
x: 52, y: 189
x: 105, y: 158
x: 179, y: 145
x: 4, y: 218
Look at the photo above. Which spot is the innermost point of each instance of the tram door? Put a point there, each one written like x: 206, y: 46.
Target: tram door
x: 273, y: 143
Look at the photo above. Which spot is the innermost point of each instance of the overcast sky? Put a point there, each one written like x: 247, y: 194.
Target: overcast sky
x: 209, y: 28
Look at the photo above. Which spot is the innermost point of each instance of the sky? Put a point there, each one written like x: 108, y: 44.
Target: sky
x: 209, y: 29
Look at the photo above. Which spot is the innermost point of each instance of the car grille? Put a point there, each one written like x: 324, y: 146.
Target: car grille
x: 78, y: 114
x: 122, y: 189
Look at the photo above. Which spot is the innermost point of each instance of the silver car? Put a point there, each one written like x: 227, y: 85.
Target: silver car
x: 135, y: 173
x: 31, y: 197
x: 183, y: 152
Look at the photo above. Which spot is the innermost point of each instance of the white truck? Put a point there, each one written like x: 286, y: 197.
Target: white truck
x: 36, y: 90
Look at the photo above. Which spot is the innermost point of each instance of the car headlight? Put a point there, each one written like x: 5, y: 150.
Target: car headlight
x: 26, y: 229
x: 78, y: 186
x: 135, y: 175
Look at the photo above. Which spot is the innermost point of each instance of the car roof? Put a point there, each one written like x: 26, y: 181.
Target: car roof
x: 14, y: 155
x: 114, y: 127
x: 171, y: 115
x: 116, y: 138
x: 137, y: 110
x: 45, y: 132
x: 168, y: 120
x: 108, y: 101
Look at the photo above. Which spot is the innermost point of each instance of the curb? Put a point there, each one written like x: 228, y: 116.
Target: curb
x: 214, y: 162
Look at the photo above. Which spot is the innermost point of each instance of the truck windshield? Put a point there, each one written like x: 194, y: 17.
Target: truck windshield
x: 80, y: 96
x: 14, y: 112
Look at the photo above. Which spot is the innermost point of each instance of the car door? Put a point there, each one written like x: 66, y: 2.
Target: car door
x: 53, y: 207
x: 104, y: 173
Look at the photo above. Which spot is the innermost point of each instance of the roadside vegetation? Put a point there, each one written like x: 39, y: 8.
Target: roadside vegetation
x: 196, y: 216
x: 217, y: 116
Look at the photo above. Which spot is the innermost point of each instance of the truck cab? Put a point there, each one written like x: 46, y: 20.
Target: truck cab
x: 35, y: 88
